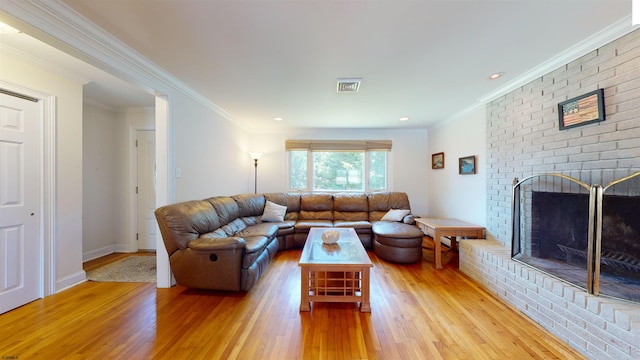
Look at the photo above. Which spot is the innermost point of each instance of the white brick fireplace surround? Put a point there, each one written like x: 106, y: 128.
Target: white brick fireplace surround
x: 523, y: 138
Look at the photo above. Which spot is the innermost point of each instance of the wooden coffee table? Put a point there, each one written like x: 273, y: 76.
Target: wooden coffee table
x: 334, y: 273
x: 438, y: 227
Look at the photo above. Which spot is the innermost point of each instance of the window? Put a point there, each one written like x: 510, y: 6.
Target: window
x: 338, y: 165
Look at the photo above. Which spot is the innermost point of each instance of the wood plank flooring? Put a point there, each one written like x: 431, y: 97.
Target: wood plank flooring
x: 417, y: 313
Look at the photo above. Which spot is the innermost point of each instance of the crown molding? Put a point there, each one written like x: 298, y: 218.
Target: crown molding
x: 56, y: 24
x: 596, y: 41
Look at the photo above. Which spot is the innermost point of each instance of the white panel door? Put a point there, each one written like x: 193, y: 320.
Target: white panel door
x: 146, y: 159
x: 20, y: 240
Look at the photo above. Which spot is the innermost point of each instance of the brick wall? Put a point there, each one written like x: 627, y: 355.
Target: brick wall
x: 523, y: 138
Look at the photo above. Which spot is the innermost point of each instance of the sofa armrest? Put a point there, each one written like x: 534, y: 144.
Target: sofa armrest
x: 409, y: 219
x: 216, y: 244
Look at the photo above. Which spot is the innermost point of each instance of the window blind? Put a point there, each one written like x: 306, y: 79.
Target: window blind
x: 338, y: 145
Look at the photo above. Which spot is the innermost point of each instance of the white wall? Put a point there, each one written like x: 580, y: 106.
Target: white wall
x: 101, y: 174
x: 68, y: 176
x: 451, y: 194
x: 210, y: 151
x: 409, y: 160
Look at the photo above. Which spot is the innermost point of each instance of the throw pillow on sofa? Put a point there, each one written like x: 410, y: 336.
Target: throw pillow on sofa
x: 273, y: 212
x: 395, y: 215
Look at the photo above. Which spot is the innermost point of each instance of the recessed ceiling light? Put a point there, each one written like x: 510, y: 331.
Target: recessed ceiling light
x: 404, y: 118
x: 495, y: 76
x: 278, y: 119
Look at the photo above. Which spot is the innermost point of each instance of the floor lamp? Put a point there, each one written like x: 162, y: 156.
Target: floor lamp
x: 255, y: 157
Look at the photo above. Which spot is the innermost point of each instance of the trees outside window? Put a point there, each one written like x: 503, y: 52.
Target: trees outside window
x: 338, y: 170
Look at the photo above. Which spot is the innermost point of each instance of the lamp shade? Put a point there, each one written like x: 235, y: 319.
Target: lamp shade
x: 255, y: 155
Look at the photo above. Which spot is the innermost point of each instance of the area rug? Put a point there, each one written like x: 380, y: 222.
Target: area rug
x: 129, y: 269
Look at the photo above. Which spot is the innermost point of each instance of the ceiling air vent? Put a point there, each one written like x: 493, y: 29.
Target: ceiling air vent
x: 348, y: 85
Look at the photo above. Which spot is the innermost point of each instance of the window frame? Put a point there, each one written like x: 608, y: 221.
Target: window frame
x: 366, y: 170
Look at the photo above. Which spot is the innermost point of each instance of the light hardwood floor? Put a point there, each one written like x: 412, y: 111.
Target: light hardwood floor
x: 417, y: 313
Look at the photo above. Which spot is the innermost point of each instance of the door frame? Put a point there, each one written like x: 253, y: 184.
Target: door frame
x: 47, y: 171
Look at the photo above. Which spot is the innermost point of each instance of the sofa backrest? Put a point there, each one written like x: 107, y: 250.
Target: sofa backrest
x: 229, y: 215
x: 290, y: 200
x: 350, y: 207
x: 226, y: 207
x: 316, y: 206
x: 249, y: 204
x: 381, y: 202
x: 183, y: 222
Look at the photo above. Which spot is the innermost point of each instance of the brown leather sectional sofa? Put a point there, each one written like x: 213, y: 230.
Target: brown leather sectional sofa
x: 221, y: 243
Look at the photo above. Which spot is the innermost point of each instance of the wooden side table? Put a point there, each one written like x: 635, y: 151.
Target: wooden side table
x: 438, y: 227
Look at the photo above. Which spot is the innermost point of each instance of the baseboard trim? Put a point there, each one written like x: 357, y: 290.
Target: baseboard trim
x: 124, y: 248
x: 70, y: 281
x: 94, y: 254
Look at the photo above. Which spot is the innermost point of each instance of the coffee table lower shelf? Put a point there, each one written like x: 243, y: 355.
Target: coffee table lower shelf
x: 335, y: 283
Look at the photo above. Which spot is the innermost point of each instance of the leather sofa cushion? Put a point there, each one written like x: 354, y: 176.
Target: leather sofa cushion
x: 217, y: 233
x: 186, y: 221
x: 392, y: 229
x: 209, y: 245
x: 226, y: 208
x: 316, y: 202
x: 305, y: 225
x: 255, y: 247
x: 249, y: 204
x: 316, y: 207
x: 262, y: 229
x: 257, y: 238
x: 290, y: 200
x: 285, y: 227
x: 381, y: 202
x: 234, y: 228
x: 352, y: 207
x: 357, y: 225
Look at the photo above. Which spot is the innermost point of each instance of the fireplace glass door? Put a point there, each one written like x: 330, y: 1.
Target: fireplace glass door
x: 619, y: 253
x: 586, y: 235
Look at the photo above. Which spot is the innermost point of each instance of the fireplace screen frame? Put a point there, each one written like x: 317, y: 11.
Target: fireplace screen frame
x: 595, y: 195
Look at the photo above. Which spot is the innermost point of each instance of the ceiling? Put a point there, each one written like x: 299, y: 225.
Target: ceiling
x: 426, y: 60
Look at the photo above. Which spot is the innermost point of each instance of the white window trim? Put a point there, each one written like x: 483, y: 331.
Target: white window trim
x: 309, y: 187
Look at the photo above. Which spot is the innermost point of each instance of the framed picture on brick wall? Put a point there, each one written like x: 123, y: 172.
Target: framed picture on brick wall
x: 582, y: 110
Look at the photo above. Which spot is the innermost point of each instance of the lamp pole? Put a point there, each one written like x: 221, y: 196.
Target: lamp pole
x: 255, y: 156
x: 255, y: 176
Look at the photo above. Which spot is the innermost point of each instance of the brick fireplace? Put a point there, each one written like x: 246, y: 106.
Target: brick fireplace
x: 586, y: 235
x: 523, y: 138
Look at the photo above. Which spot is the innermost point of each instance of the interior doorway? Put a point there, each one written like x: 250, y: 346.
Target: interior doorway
x: 146, y: 189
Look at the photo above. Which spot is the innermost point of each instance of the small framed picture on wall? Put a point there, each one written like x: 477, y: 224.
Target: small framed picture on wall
x: 467, y: 165
x: 437, y: 161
